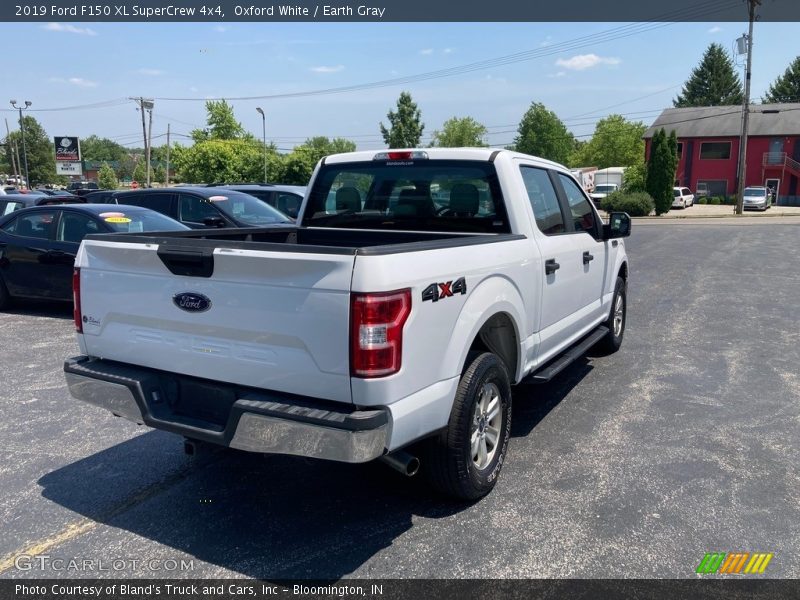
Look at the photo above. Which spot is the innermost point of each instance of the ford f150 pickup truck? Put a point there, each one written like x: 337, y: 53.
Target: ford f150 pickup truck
x: 389, y: 322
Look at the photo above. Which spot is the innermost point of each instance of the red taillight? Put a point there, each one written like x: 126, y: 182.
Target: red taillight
x: 376, y: 332
x: 399, y: 155
x: 76, y: 300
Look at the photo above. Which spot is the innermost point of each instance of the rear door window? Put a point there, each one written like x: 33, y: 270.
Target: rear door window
x: 73, y: 227
x: 160, y: 202
x: 36, y: 225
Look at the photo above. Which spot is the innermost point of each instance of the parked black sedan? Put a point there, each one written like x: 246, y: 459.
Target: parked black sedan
x: 38, y: 245
x: 11, y: 202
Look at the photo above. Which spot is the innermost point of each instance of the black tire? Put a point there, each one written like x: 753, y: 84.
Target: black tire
x: 448, y: 460
x: 612, y: 341
x: 5, y: 298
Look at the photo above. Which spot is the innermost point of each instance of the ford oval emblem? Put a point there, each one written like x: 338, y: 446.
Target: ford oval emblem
x: 191, y: 302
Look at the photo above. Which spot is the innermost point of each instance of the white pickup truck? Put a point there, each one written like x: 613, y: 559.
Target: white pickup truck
x: 389, y: 321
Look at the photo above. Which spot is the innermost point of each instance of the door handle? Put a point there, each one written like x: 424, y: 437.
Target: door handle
x: 551, y: 266
x: 587, y: 258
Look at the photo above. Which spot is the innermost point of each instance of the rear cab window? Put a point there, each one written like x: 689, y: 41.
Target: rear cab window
x: 410, y: 195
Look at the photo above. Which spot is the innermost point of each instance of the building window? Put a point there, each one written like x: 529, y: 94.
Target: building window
x: 715, y: 150
x: 680, y: 150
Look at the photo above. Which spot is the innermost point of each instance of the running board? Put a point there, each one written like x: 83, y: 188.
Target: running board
x: 562, y: 361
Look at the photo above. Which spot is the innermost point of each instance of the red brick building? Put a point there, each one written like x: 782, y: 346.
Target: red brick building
x: 708, y: 146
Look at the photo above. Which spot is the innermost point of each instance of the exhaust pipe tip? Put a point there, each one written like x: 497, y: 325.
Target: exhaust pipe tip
x: 401, y: 461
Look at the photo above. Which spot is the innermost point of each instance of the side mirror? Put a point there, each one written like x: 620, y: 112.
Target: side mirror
x: 619, y: 226
x: 214, y: 222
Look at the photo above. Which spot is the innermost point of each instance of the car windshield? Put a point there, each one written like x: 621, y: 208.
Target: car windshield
x: 760, y: 192
x: 416, y: 195
x: 676, y: 193
x: 247, y: 209
x: 139, y: 221
x: 604, y: 188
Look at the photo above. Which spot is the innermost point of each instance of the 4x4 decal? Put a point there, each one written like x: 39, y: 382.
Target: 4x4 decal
x: 436, y: 291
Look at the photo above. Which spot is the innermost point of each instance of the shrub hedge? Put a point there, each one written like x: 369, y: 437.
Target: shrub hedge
x: 636, y: 204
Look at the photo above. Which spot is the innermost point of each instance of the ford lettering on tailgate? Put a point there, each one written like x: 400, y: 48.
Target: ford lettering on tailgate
x: 191, y: 302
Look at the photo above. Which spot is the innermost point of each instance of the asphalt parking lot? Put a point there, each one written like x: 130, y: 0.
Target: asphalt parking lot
x: 632, y: 465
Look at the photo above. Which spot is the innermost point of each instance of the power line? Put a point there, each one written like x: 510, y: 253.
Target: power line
x: 620, y: 32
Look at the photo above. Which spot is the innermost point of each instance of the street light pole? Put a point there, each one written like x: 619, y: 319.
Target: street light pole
x: 22, y: 131
x: 746, y: 110
x: 264, y: 137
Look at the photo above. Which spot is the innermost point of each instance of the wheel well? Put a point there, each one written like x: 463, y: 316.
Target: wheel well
x: 499, y: 336
x: 623, y: 271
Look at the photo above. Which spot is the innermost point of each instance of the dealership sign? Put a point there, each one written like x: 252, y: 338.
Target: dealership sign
x: 68, y: 155
x: 68, y: 148
x: 64, y: 167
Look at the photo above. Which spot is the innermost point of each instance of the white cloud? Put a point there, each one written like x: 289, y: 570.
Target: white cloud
x: 557, y: 75
x: 546, y: 41
x: 325, y: 69
x: 426, y: 51
x: 447, y: 50
x: 69, y: 28
x: 221, y: 28
x: 79, y: 81
x: 192, y: 89
x: 715, y: 29
x: 579, y: 62
x: 150, y: 72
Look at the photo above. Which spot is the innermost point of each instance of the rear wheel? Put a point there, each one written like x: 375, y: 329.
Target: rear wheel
x: 465, y: 460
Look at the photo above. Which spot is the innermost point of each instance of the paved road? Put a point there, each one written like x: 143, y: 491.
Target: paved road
x: 632, y: 465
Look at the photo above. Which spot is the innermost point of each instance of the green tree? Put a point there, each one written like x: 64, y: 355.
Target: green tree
x: 102, y: 149
x: 714, y: 82
x: 616, y: 142
x: 160, y: 174
x: 107, y: 178
x: 225, y: 160
x: 541, y: 133
x: 39, y: 150
x: 460, y: 133
x: 222, y: 124
x: 672, y: 144
x: 660, y: 172
x: 405, y: 126
x: 125, y: 166
x: 139, y: 172
x: 635, y: 177
x: 786, y: 88
x: 299, y: 164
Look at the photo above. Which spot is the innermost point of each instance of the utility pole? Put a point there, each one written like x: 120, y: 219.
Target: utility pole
x: 166, y: 177
x: 22, y: 131
x: 149, y: 141
x: 144, y: 126
x: 10, y: 151
x: 746, y: 109
x: 264, y: 138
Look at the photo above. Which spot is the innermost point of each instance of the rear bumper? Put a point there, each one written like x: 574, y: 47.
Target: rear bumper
x: 241, y: 418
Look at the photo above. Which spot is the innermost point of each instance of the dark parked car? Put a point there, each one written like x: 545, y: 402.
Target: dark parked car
x: 38, y: 245
x: 285, y: 198
x: 47, y: 192
x: 100, y: 196
x: 11, y: 202
x: 199, y: 207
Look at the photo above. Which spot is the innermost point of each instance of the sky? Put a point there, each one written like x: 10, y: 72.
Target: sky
x: 637, y: 74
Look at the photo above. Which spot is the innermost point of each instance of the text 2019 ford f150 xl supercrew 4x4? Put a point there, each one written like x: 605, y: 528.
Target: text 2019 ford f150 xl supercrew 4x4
x: 416, y: 287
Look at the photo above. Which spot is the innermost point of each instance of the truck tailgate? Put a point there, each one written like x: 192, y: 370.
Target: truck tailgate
x: 277, y: 320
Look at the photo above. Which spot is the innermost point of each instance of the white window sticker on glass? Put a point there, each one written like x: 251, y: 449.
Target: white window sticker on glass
x: 238, y: 208
x: 136, y: 227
